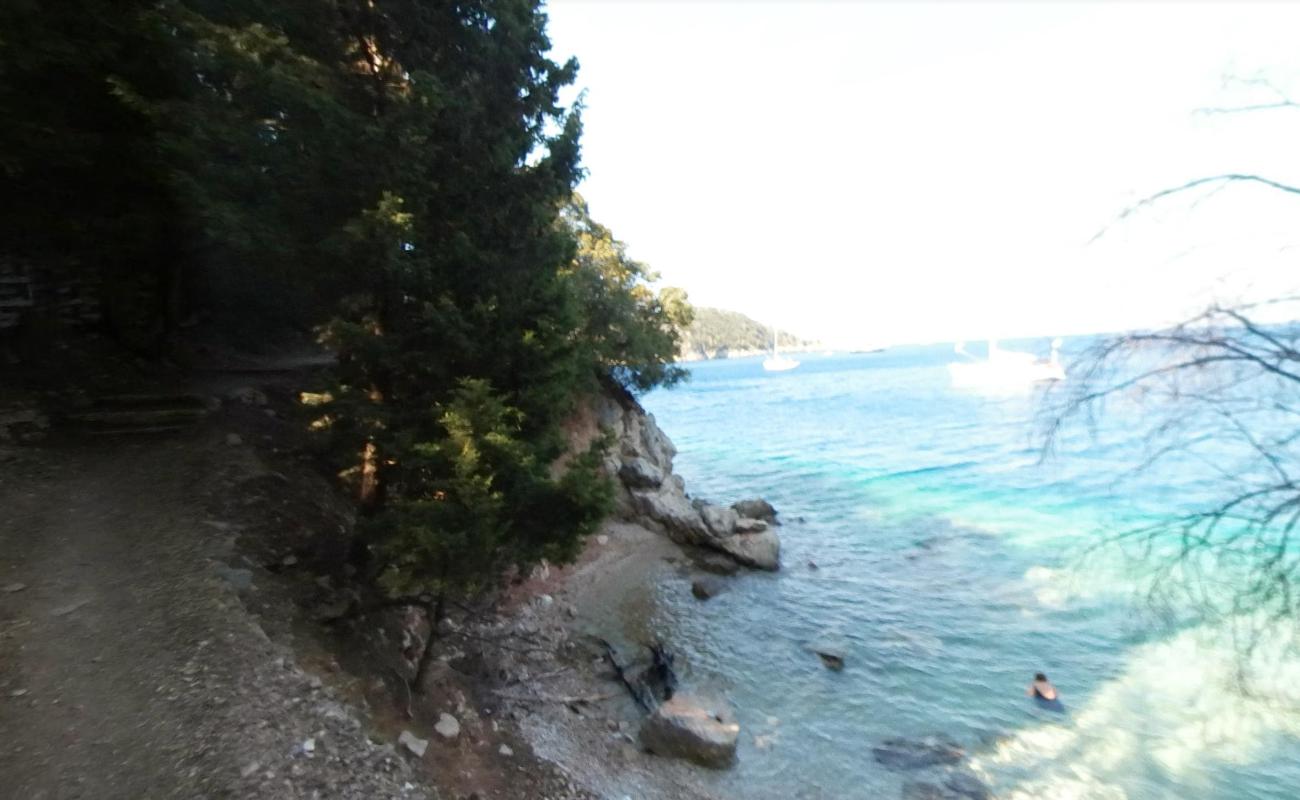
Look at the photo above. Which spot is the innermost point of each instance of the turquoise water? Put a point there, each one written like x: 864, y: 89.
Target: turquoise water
x: 948, y: 571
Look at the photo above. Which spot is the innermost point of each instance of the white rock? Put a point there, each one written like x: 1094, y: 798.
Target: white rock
x: 505, y: 750
x: 693, y: 729
x: 448, y: 727
x: 602, y: 540
x: 309, y: 746
x: 413, y: 743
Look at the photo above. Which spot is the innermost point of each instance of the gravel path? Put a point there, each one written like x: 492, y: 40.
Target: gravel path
x: 129, y: 669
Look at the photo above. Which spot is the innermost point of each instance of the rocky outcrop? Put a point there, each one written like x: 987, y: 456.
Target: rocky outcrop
x: 691, y: 728
x: 641, y: 458
x: 639, y: 473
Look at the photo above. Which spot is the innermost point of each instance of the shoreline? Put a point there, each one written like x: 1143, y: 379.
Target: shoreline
x: 609, y: 593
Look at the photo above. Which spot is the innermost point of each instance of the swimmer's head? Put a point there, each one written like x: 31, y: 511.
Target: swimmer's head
x: 1038, y: 676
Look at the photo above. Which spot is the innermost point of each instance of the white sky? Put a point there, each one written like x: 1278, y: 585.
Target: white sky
x: 869, y: 172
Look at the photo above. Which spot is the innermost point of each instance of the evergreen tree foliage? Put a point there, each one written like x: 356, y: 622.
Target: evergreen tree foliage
x: 397, y: 175
x: 631, y: 330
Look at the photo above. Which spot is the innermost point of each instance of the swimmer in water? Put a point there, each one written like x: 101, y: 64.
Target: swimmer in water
x: 1042, y: 688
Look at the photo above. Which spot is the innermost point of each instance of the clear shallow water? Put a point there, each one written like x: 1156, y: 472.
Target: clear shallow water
x: 947, y: 575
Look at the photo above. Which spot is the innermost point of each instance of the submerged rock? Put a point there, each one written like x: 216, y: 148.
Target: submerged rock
x: 928, y: 751
x: 831, y: 648
x: 965, y: 786
x: 706, y: 587
x: 917, y: 790
x: 693, y: 729
x: 833, y: 661
x: 958, y: 786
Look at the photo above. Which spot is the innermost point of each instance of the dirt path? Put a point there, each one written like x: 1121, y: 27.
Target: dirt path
x: 128, y: 668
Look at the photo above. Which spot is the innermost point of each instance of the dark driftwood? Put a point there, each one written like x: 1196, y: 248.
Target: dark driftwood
x: 650, y: 685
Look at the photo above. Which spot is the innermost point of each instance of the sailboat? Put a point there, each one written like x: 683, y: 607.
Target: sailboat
x: 777, y: 362
x: 1006, y: 369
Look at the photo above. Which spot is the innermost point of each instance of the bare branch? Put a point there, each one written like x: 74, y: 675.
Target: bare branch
x: 1221, y: 390
x: 1232, y: 177
x: 1247, y: 108
x: 1283, y: 99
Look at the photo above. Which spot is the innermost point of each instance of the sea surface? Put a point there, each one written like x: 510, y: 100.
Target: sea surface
x: 952, y: 562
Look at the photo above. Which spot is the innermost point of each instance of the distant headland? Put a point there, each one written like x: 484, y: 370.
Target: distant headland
x: 718, y: 333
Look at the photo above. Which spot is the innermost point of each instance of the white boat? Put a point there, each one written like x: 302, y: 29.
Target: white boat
x: 777, y: 362
x: 1006, y: 369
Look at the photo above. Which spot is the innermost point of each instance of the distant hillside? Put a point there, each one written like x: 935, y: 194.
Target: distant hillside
x: 716, y: 333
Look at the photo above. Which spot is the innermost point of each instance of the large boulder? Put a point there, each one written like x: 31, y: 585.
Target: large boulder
x: 693, y: 729
x: 721, y: 521
x: 671, y: 510
x: 756, y: 508
x: 758, y: 550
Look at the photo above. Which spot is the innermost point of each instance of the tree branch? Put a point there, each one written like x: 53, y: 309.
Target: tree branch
x: 1231, y: 177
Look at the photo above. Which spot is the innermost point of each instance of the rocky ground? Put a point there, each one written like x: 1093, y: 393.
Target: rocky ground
x: 166, y: 630
x: 177, y: 617
x: 160, y: 633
